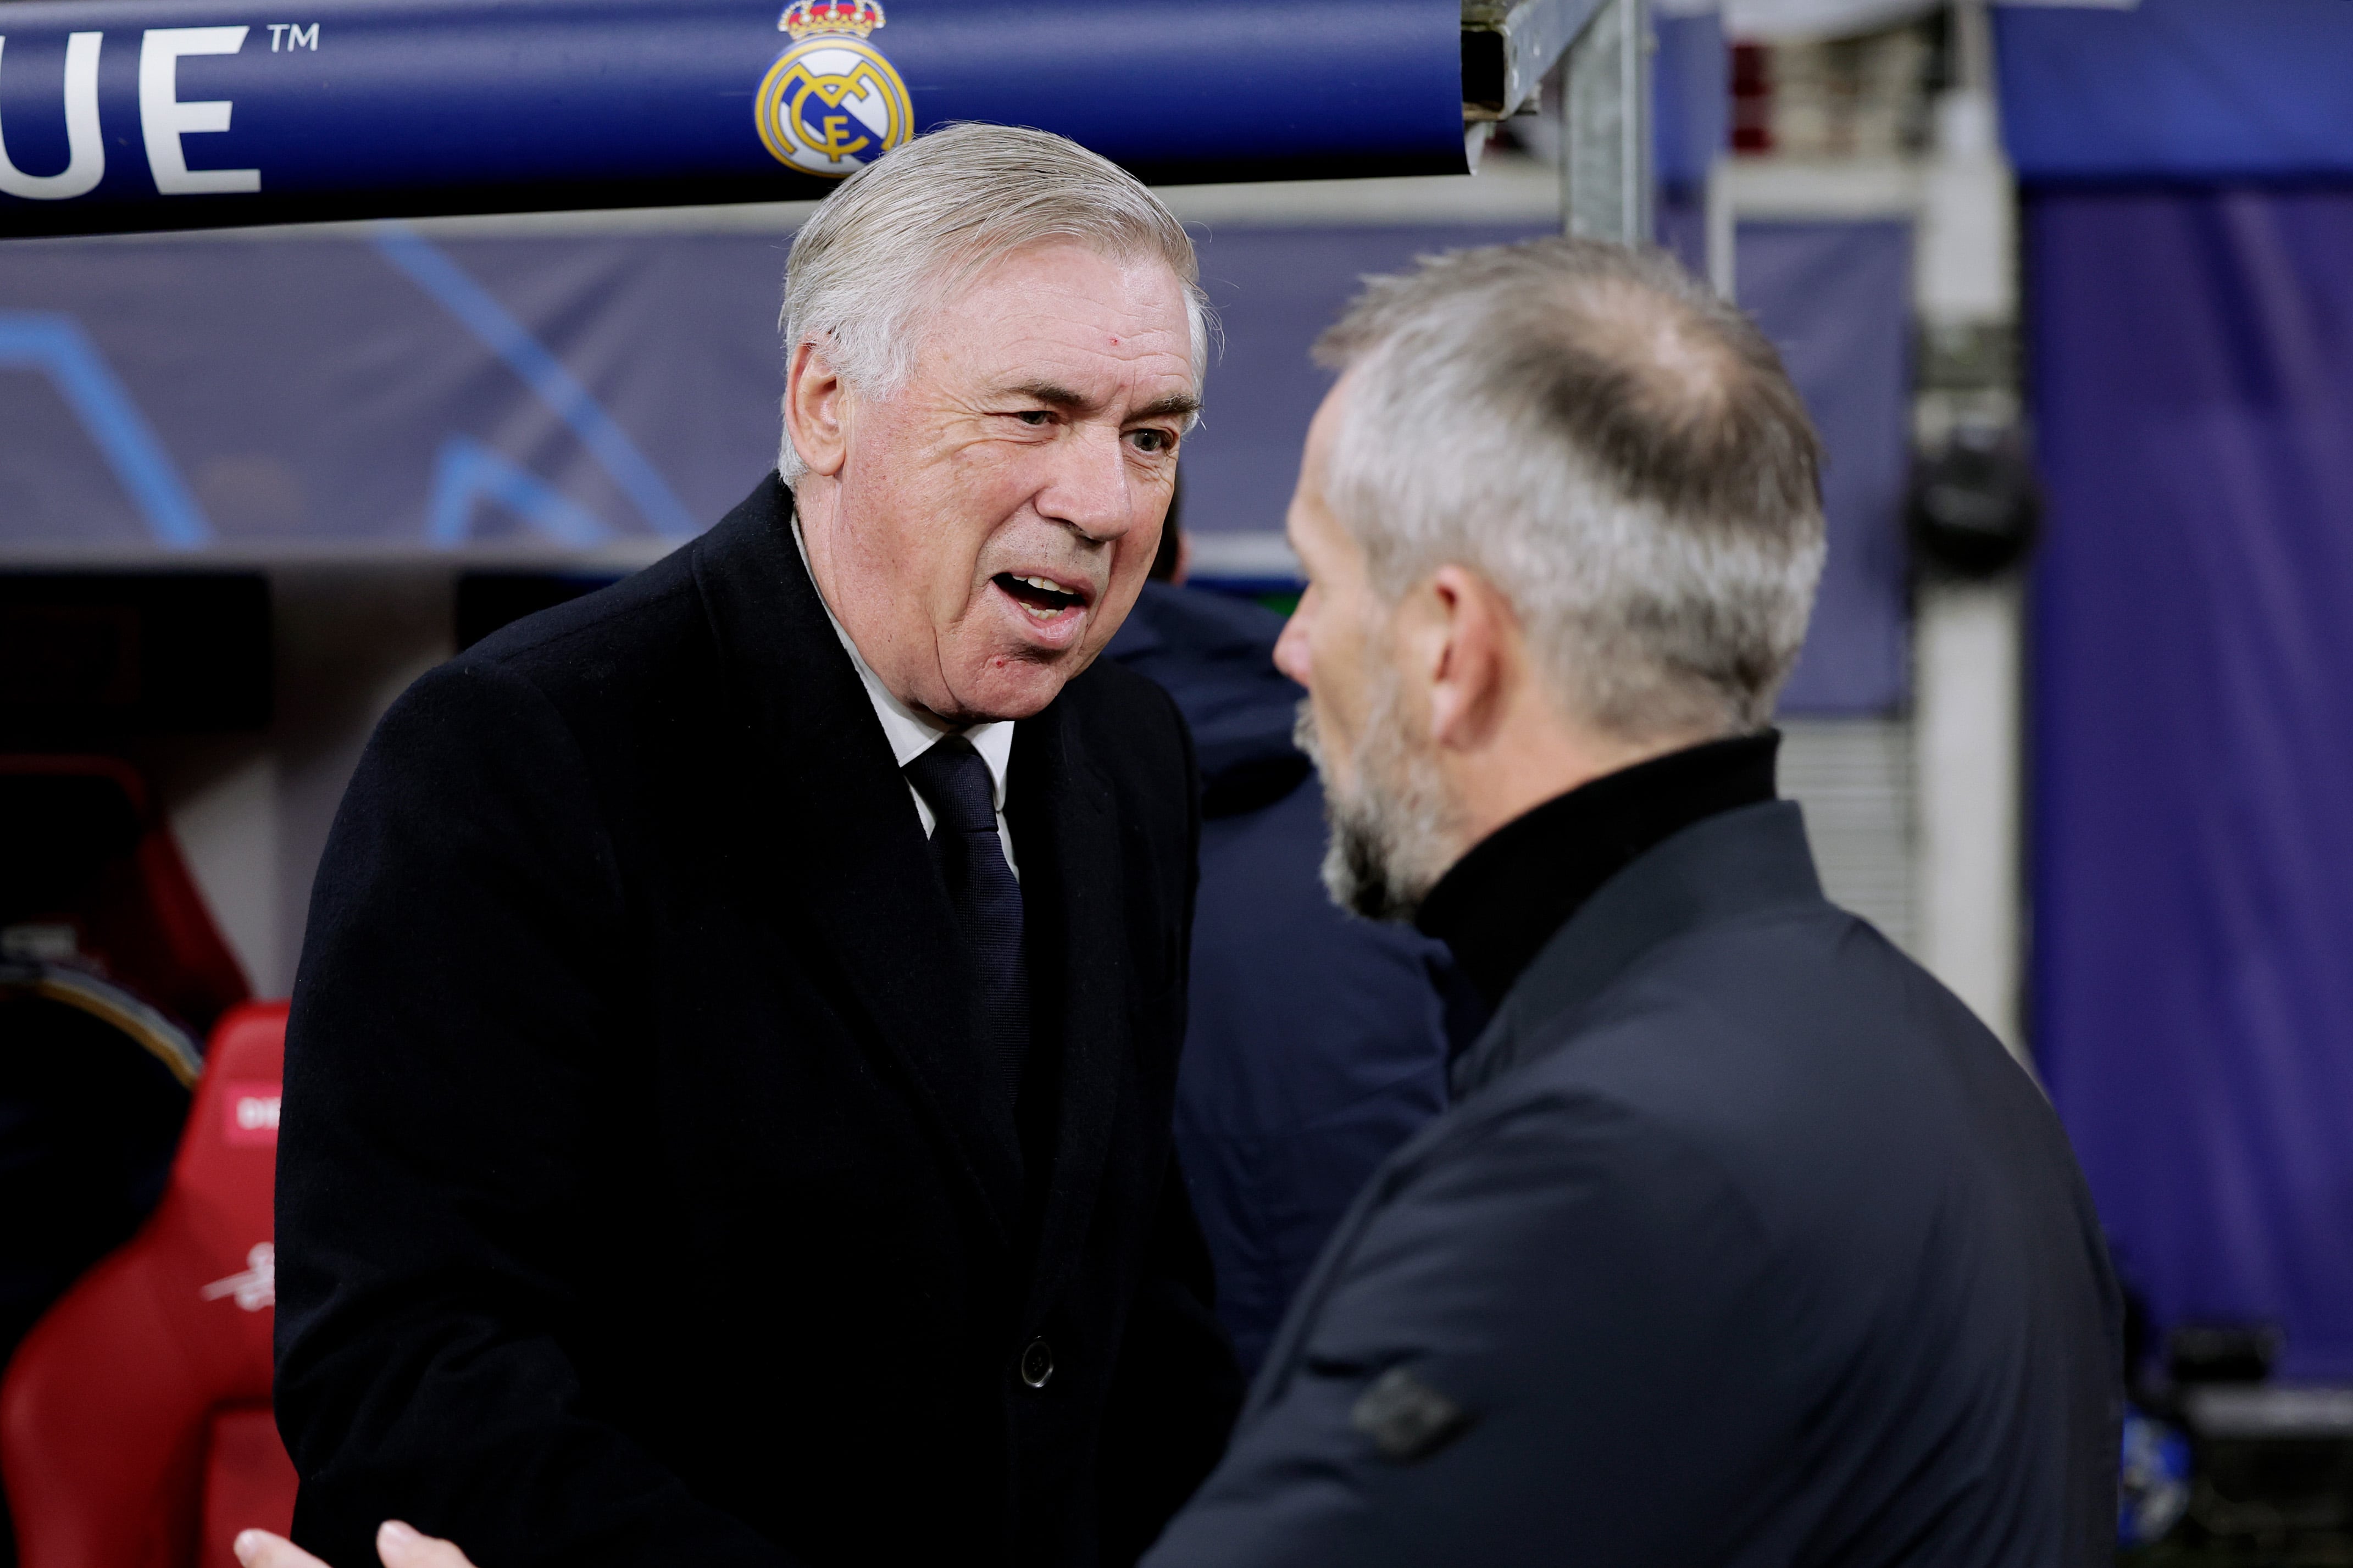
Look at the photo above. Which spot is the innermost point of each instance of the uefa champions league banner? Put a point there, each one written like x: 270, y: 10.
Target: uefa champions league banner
x: 151, y: 114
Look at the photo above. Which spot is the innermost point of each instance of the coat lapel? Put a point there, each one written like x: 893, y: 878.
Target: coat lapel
x: 1073, y: 893
x: 850, y: 853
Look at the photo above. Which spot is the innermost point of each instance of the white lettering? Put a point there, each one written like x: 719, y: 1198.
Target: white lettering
x: 254, y: 1114
x: 164, y: 119
x: 302, y: 37
x: 85, y: 147
x: 277, y: 31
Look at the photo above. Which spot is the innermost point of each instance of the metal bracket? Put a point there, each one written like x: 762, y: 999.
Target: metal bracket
x: 1509, y: 49
x: 1602, y: 48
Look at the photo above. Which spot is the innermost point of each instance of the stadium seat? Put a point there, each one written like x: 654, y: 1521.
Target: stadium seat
x: 135, y: 1426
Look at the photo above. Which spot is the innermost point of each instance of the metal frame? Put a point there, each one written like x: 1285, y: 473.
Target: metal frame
x: 1605, y: 166
x: 1601, y: 49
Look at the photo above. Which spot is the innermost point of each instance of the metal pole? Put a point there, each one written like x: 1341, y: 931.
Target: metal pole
x: 1605, y: 165
x: 1969, y: 665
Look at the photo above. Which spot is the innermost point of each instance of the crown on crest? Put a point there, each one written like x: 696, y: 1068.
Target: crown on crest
x: 807, y: 18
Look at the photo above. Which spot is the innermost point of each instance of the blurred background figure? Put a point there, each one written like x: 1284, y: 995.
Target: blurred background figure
x: 1317, y: 1043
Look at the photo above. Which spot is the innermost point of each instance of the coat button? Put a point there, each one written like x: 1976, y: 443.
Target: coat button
x: 1037, y: 1363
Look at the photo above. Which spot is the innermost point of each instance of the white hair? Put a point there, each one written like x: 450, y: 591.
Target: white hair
x: 902, y: 238
x: 1616, y: 449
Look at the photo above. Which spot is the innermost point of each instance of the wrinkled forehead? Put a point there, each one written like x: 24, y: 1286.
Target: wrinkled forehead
x: 1064, y: 298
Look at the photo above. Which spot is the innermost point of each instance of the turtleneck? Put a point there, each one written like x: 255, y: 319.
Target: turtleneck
x: 1501, y: 903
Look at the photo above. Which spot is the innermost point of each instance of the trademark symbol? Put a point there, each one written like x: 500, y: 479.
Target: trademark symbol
x: 294, y: 35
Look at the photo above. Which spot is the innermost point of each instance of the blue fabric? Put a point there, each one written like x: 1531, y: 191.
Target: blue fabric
x: 1836, y: 300
x: 2178, y: 89
x: 2193, y: 737
x: 1317, y: 1043
x: 382, y: 393
x: 1691, y: 100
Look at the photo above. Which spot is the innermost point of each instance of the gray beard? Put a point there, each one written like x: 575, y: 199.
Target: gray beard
x: 1393, y: 831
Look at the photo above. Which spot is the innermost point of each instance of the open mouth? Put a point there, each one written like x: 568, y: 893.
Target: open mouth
x: 1043, y: 599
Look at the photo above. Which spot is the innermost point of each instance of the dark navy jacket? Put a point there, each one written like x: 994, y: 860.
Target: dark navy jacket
x: 1744, y: 1243
x: 1318, y: 1043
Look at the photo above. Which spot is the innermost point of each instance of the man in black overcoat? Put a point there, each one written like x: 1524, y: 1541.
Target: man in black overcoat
x: 729, y: 1083
x: 1743, y: 1242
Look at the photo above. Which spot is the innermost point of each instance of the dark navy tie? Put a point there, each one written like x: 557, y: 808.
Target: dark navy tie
x: 953, y: 781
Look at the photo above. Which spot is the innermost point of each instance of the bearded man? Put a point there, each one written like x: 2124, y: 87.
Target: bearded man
x: 1743, y: 1241
x: 728, y: 1091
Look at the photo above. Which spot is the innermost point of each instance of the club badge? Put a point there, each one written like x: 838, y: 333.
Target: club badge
x: 831, y: 103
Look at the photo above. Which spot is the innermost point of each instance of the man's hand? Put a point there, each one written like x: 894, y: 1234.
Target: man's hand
x: 396, y: 1544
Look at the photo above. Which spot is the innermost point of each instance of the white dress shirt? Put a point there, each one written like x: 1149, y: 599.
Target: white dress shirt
x: 912, y: 734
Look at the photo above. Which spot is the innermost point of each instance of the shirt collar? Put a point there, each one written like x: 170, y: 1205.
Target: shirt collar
x: 911, y: 733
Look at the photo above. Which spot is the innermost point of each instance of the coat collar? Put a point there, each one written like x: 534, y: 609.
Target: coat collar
x: 1724, y: 867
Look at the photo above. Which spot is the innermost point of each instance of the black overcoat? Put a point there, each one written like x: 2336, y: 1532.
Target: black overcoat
x: 1744, y: 1243
x: 634, y: 1202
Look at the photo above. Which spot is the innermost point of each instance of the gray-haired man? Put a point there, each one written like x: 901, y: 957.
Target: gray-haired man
x: 1743, y: 1242
x: 728, y: 1091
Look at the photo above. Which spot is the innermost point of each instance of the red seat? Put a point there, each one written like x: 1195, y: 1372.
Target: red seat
x: 135, y: 1429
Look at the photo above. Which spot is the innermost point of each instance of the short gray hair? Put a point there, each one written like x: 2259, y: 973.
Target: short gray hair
x: 904, y: 234
x: 1616, y: 449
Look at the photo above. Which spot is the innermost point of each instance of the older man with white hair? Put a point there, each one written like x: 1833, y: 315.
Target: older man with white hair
x: 1743, y: 1242
x: 728, y: 1088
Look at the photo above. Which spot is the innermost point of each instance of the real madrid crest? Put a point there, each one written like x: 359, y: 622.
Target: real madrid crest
x: 831, y: 102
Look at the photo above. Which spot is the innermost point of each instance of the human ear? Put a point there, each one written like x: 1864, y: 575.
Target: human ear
x: 816, y: 411
x: 1466, y: 643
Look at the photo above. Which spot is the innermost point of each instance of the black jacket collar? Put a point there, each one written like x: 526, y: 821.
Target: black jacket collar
x: 1724, y: 868
x: 850, y: 853
x: 1502, y: 901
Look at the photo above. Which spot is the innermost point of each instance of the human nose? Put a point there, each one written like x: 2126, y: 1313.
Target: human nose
x: 1088, y: 489
x: 1291, y: 652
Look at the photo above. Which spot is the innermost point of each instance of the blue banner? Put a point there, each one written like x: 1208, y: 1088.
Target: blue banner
x: 2188, y: 90
x: 124, y: 114
x: 2193, y: 739
x: 397, y: 393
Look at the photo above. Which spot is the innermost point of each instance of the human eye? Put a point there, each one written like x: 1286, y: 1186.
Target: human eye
x: 1154, y: 443
x: 1036, y: 418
